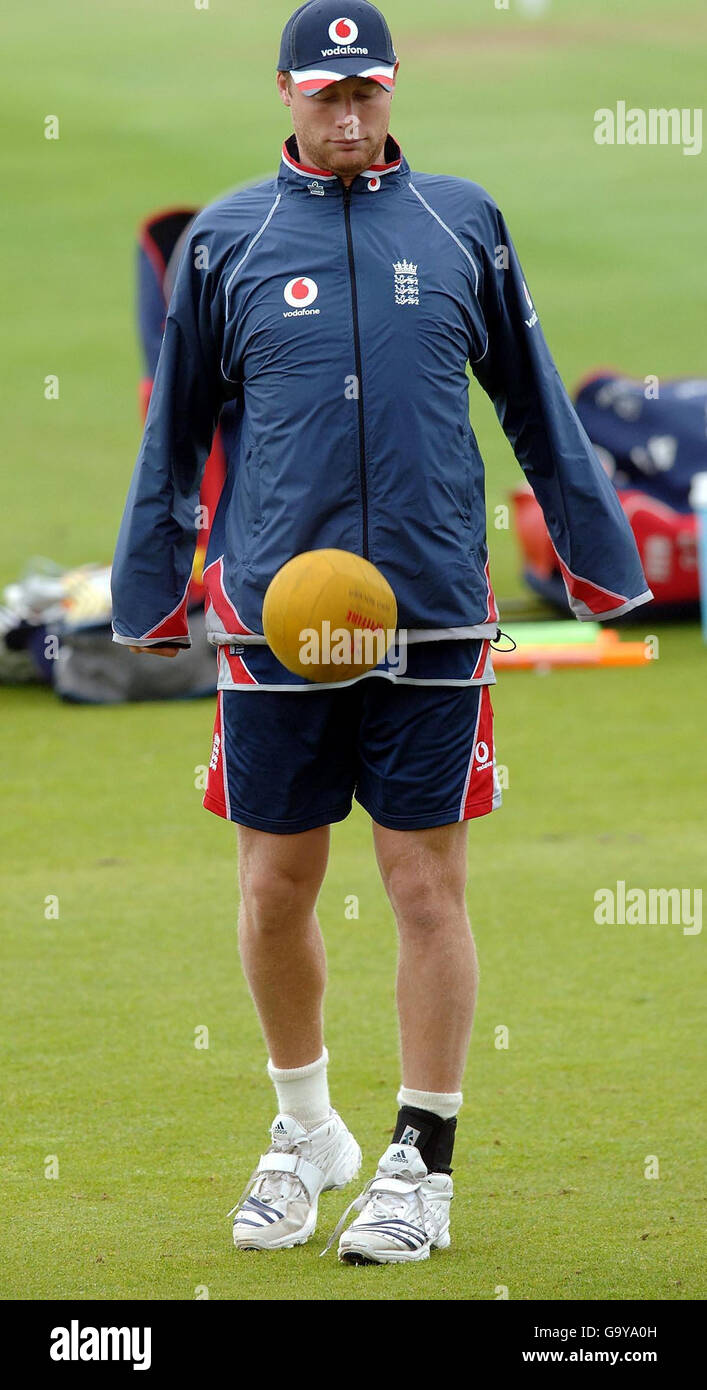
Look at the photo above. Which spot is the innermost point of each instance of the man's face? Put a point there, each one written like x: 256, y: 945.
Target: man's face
x: 344, y: 127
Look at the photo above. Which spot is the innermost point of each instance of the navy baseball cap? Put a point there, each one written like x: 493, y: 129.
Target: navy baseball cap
x: 325, y: 41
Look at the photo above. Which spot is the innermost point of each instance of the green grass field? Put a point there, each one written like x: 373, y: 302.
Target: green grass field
x: 160, y: 103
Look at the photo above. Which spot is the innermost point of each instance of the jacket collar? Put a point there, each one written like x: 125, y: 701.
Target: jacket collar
x: 299, y: 177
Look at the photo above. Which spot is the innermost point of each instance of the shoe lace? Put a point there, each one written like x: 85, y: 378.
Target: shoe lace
x: 272, y: 1186
x: 383, y: 1204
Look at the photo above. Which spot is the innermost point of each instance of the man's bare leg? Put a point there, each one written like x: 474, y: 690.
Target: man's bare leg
x: 284, y: 962
x: 408, y: 1210
x: 281, y: 944
x: 424, y: 872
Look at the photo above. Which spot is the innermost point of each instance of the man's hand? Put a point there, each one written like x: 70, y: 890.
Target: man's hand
x: 155, y: 651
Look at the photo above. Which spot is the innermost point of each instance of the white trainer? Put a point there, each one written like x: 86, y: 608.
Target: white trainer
x: 278, y: 1207
x: 404, y: 1212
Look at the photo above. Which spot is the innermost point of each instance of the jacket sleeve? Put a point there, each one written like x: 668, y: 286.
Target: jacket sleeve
x: 157, y: 539
x: 591, y: 536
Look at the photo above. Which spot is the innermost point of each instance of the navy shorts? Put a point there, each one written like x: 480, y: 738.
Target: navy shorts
x: 413, y: 756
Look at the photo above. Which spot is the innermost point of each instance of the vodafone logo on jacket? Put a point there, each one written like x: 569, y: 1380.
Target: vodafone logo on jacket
x: 343, y: 31
x: 300, y: 294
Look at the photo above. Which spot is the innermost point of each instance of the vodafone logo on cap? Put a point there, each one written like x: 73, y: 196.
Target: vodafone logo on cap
x: 343, y: 31
x: 302, y: 292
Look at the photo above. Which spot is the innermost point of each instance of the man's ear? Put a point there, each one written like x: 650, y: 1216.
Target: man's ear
x: 283, y: 86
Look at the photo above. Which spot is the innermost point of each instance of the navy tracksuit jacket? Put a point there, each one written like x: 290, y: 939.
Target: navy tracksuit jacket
x: 339, y: 323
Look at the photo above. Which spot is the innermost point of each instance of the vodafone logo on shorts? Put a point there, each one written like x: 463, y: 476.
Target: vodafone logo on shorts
x: 482, y: 755
x: 300, y: 294
x: 343, y: 31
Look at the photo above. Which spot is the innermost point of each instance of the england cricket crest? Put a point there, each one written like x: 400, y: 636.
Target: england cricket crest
x: 407, y: 284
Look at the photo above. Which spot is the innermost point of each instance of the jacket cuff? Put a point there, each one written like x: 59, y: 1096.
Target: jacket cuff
x: 148, y: 642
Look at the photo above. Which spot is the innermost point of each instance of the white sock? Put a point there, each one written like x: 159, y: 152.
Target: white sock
x: 446, y: 1104
x: 303, y: 1092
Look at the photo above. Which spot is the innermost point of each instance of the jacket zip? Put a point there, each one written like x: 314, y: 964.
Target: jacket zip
x: 359, y: 373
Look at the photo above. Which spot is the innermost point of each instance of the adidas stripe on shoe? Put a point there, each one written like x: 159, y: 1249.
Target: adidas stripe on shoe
x: 403, y: 1213
x: 278, y: 1207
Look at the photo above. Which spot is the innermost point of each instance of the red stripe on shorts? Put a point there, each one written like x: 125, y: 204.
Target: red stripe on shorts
x: 478, y: 795
x: 216, y: 796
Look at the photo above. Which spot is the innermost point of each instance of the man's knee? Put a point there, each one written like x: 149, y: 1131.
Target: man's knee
x: 422, y: 900
x: 275, y: 901
x: 279, y: 882
x: 424, y: 873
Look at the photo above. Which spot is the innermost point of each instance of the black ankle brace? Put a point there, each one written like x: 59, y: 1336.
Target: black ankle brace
x: 430, y: 1135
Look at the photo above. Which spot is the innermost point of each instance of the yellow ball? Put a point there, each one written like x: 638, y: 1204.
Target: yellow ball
x: 329, y: 615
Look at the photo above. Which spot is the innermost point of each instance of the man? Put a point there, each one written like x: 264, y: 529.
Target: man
x: 330, y: 315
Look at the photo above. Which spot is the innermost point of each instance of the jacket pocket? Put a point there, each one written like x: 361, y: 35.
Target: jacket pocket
x: 471, y: 464
x: 250, y: 497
